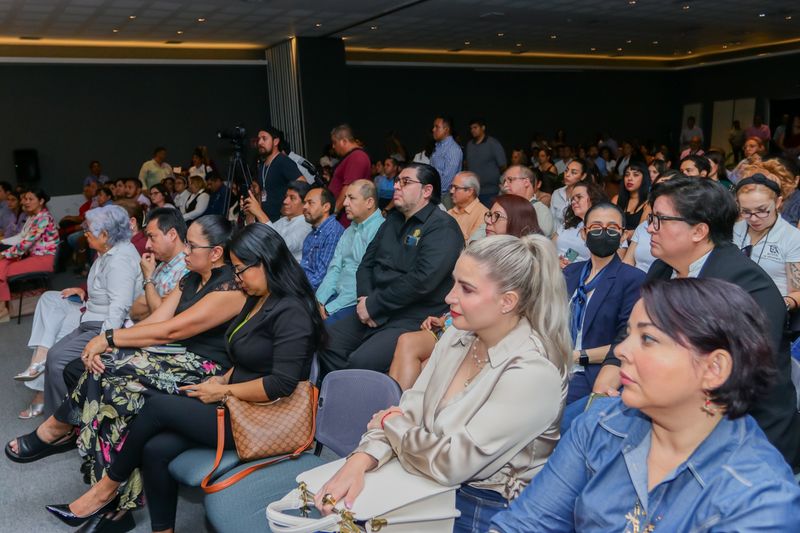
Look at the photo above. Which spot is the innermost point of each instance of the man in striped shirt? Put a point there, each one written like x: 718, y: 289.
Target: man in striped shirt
x: 447, y: 156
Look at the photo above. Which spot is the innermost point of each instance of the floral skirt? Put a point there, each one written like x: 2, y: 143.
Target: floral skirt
x: 107, y: 403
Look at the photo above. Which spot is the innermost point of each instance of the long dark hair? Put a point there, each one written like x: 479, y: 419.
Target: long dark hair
x: 644, y: 189
x: 164, y: 192
x: 260, y: 244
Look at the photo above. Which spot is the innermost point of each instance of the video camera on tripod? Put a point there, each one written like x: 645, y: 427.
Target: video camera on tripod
x: 237, y: 169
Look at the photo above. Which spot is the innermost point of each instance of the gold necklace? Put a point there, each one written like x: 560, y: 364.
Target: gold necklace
x: 476, y: 361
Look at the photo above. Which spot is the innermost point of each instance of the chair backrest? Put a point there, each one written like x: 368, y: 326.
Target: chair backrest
x: 796, y: 379
x: 347, y: 401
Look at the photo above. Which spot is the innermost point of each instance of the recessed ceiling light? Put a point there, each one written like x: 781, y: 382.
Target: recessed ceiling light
x: 519, y: 44
x: 373, y: 27
x: 345, y: 38
x: 318, y: 25
x: 619, y: 49
x: 467, y: 43
x: 115, y: 30
x: 554, y: 36
x: 685, y: 7
x: 724, y: 46
x: 593, y: 49
x: 501, y: 34
x: 655, y: 42
x: 201, y: 19
x: 179, y: 32
x: 689, y: 52
x: 629, y: 41
x: 787, y: 17
x: 762, y: 15
x: 631, y: 2
x: 132, y: 17
x: 290, y: 36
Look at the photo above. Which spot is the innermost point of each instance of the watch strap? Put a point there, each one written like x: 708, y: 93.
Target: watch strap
x: 583, y: 358
x: 110, y: 338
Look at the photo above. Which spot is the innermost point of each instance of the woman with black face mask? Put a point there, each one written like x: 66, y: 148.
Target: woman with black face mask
x: 602, y: 293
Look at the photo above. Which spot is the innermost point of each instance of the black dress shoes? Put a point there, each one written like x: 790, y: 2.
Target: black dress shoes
x: 63, y: 513
x: 102, y: 524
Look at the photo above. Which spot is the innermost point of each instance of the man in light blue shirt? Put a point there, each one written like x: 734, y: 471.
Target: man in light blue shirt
x: 337, y: 292
x: 447, y: 157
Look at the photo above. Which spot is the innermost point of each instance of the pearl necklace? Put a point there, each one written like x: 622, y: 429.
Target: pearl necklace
x: 477, y: 362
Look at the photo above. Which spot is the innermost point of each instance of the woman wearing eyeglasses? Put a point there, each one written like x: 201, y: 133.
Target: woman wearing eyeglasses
x: 108, y: 390
x: 510, y: 215
x: 766, y: 237
x: 571, y: 246
x: 602, y: 293
x: 678, y: 451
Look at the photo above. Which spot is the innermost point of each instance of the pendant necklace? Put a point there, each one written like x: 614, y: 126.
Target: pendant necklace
x: 477, y: 362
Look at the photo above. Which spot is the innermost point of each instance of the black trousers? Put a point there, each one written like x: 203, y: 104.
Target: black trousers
x: 166, y: 426
x: 354, y: 345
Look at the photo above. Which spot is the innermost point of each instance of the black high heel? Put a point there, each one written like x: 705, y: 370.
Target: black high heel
x: 63, y: 513
x: 103, y: 524
x: 31, y: 448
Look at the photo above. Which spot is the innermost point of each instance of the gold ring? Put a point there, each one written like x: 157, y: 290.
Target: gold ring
x: 328, y: 499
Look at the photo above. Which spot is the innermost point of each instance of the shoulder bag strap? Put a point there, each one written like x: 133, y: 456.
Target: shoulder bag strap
x: 209, y: 488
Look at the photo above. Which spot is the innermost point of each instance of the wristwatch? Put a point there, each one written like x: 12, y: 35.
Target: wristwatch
x: 145, y: 282
x: 583, y: 358
x: 110, y: 338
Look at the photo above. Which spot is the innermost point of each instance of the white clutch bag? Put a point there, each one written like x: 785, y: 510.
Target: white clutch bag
x: 393, y: 501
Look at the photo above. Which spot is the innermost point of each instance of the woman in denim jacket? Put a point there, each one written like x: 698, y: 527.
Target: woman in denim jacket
x: 677, y: 452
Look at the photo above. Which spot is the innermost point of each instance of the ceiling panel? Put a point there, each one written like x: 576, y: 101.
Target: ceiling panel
x: 660, y: 28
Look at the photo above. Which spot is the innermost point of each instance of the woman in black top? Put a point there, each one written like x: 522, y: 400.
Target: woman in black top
x: 270, y: 345
x: 632, y: 197
x: 104, y: 400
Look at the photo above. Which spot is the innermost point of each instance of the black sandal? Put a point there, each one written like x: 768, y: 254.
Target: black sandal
x: 31, y: 448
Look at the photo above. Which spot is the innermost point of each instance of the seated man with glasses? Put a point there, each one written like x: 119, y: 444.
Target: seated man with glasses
x: 523, y: 182
x: 691, y: 228
x: 602, y: 293
x: 467, y: 208
x: 403, y: 277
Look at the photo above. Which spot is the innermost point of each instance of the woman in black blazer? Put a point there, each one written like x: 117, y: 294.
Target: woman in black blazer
x: 270, y: 344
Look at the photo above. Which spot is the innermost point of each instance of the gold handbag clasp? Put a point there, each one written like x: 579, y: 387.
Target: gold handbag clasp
x: 376, y: 524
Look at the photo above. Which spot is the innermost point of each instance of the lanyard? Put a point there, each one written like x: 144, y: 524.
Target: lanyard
x: 764, y: 240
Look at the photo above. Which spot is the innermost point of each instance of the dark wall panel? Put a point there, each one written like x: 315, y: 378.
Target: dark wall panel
x: 515, y: 104
x: 75, y: 113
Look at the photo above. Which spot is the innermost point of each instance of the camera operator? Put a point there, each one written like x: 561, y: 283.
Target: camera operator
x: 275, y: 172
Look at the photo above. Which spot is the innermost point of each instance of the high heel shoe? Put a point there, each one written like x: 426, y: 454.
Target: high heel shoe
x: 33, y: 410
x: 63, y: 513
x: 31, y: 373
x: 103, y: 524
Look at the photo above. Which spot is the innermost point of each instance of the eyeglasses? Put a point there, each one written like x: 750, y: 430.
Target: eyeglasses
x: 238, y: 273
x: 759, y: 213
x: 192, y: 247
x: 656, y: 220
x: 404, y: 182
x: 509, y: 179
x: 458, y: 188
x: 491, y: 217
x: 596, y: 229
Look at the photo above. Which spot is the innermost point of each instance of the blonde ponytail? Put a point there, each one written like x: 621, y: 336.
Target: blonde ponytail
x: 529, y: 266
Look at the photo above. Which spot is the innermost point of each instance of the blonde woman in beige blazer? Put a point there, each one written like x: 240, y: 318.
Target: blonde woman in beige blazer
x: 485, y: 411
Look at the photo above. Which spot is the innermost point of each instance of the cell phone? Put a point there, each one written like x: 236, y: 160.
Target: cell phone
x: 74, y: 298
x: 571, y: 255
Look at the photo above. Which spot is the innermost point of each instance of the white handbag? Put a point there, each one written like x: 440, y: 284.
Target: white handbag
x: 393, y: 501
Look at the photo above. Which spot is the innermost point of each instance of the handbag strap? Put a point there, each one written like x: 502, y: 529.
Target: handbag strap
x: 210, y: 488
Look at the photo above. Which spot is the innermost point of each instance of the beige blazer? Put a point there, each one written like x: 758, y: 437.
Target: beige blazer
x: 496, y: 434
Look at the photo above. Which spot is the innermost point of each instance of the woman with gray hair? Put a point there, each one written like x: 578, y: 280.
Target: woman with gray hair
x: 59, y: 330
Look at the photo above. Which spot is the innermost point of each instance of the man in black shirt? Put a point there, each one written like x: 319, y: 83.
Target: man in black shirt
x: 403, y: 278
x: 275, y: 172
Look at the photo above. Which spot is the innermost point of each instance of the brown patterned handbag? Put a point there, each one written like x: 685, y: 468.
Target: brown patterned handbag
x: 284, y: 427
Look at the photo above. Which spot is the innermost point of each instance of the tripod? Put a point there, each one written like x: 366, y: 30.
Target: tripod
x: 236, y: 167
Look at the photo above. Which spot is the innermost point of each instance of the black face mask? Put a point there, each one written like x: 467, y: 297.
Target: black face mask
x: 602, y: 245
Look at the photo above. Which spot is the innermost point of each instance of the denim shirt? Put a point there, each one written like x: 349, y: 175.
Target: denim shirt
x: 318, y: 249
x: 597, y: 481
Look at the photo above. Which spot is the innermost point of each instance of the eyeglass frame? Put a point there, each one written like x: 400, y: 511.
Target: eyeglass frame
x: 191, y: 247
x: 492, y: 217
x: 510, y: 179
x: 597, y: 227
x: 459, y: 188
x: 761, y: 215
x: 405, y: 182
x: 238, y: 273
x: 654, y: 220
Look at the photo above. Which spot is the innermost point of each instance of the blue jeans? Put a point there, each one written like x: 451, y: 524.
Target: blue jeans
x: 477, y: 507
x: 340, y: 314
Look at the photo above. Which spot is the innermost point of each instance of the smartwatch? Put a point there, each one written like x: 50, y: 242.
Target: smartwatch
x: 583, y: 358
x: 110, y: 338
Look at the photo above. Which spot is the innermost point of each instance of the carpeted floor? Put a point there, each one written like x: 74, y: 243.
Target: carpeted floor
x: 26, y: 489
